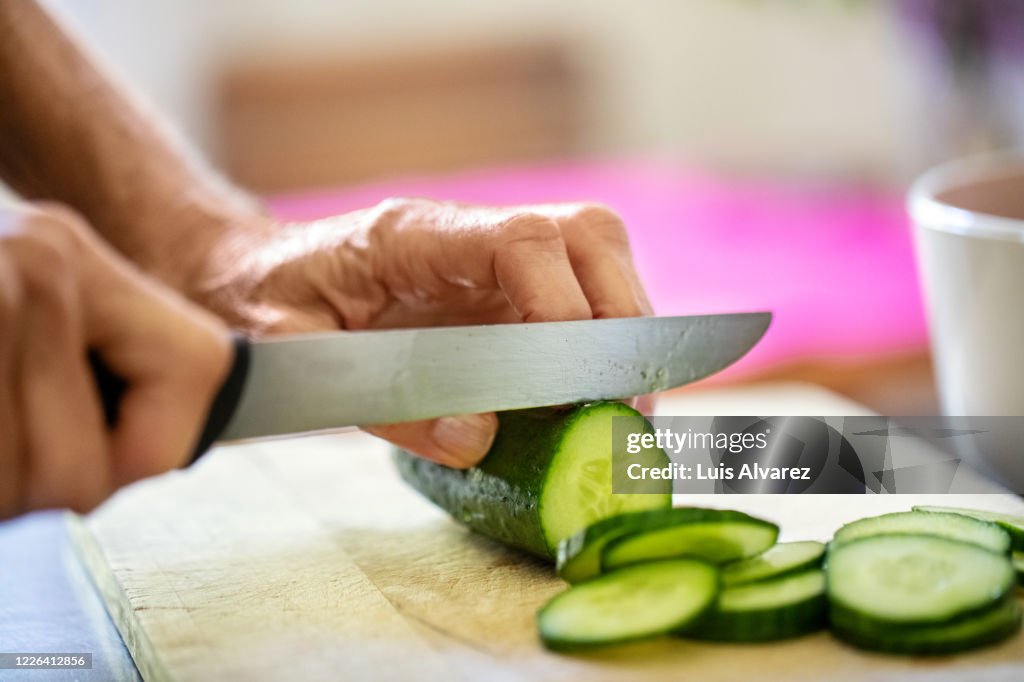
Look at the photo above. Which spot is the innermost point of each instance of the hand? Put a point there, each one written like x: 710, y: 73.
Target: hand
x: 403, y: 263
x: 412, y: 262
x: 63, y: 292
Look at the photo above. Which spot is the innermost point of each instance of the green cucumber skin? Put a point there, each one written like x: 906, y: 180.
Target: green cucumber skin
x: 815, y: 562
x: 840, y: 537
x: 852, y: 620
x: 761, y: 626
x: 612, y: 528
x: 499, y: 497
x: 962, y: 634
x: 708, y: 516
x: 1018, y: 566
x: 1016, y: 531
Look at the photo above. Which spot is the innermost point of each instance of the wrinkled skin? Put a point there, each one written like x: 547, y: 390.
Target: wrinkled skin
x: 415, y: 262
x: 143, y: 203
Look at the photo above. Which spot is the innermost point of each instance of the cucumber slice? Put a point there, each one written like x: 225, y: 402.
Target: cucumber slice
x: 953, y: 526
x: 547, y: 475
x: 1018, y: 565
x: 988, y: 627
x: 639, y: 602
x: 1014, y: 525
x: 717, y: 535
x: 777, y: 561
x: 782, y: 608
x: 877, y: 582
x: 579, y: 555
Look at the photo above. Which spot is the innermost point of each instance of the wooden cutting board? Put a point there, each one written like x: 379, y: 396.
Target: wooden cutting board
x: 308, y: 559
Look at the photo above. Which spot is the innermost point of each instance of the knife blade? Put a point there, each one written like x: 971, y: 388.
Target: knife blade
x: 311, y: 382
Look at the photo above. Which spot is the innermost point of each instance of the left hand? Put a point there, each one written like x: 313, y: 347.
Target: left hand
x: 414, y: 263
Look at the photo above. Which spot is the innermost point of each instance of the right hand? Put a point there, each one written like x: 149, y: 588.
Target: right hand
x: 62, y: 293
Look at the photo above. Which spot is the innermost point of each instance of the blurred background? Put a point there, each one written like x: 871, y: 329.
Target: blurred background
x: 758, y: 149
x: 865, y: 89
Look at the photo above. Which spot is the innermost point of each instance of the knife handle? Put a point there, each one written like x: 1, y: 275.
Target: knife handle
x: 112, y: 387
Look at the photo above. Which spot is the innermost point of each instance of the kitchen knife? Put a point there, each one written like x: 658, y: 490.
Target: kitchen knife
x: 294, y: 384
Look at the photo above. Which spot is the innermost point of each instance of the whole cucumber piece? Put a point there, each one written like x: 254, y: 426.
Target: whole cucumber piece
x: 547, y: 475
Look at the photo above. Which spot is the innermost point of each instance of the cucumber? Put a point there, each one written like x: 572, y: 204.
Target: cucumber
x: 1018, y: 565
x: 875, y: 583
x: 777, y: 561
x: 988, y: 627
x: 953, y: 526
x: 547, y: 475
x: 579, y: 555
x: 1014, y: 525
x: 638, y: 602
x: 715, y: 535
x: 781, y: 608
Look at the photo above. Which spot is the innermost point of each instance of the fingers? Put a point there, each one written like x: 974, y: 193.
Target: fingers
x: 61, y: 294
x: 163, y: 412
x: 428, y: 251
x: 552, y: 262
x: 60, y: 446
x: 62, y: 426
x: 173, y: 357
x: 458, y: 442
x: 557, y: 262
x: 645, y: 404
x: 532, y: 267
x: 598, y: 248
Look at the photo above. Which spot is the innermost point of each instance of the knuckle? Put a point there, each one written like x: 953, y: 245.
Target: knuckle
x: 44, y: 252
x: 398, y: 203
x: 206, y: 359
x: 59, y: 222
x: 393, y: 209
x: 43, y: 263
x: 54, y: 209
x: 535, y: 228
x: 602, y: 222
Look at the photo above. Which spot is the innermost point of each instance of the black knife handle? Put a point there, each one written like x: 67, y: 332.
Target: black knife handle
x: 112, y: 387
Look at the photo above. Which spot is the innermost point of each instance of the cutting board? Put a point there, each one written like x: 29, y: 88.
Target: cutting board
x: 308, y: 559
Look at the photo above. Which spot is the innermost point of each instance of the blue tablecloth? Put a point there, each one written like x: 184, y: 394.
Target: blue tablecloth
x: 49, y: 605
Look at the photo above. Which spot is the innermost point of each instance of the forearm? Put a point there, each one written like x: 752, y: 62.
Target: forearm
x: 69, y: 132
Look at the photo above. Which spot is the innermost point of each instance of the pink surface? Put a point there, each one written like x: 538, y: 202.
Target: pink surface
x: 834, y: 264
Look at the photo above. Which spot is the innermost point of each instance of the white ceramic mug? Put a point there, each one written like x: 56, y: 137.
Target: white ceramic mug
x: 969, y: 234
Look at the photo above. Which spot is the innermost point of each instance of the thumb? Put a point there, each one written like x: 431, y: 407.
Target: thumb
x: 458, y: 442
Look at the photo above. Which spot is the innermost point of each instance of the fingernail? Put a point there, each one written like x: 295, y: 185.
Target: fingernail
x: 466, y: 438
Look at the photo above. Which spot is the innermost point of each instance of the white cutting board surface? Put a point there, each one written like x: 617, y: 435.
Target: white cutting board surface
x: 308, y: 559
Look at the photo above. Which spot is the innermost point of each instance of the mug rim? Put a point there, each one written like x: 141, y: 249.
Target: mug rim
x: 928, y: 212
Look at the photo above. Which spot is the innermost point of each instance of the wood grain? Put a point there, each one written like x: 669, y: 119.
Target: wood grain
x: 212, y: 574
x: 309, y: 559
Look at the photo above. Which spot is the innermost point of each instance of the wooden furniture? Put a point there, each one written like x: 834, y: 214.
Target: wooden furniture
x: 308, y: 559
x: 336, y: 120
